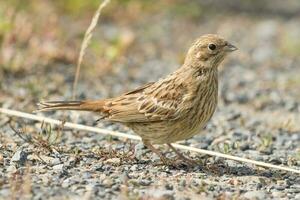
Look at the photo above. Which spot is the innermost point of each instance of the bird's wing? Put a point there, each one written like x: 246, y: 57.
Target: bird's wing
x: 152, y: 102
x: 140, y: 89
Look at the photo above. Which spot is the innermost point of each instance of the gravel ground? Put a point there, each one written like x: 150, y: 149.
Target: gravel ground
x: 257, y: 117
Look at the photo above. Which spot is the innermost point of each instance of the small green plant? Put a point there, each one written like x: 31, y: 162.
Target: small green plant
x: 46, y: 138
x: 266, y: 141
x: 226, y: 148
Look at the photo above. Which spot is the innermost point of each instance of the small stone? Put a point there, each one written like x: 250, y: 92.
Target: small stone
x: 168, y: 197
x: 279, y: 187
x: 182, y: 183
x: 134, y: 168
x: 255, y: 195
x: 63, y: 173
x: 66, y: 183
x: 71, y: 162
x: 11, y: 169
x: 101, y: 194
x: 102, y: 177
x: 169, y: 186
x: 115, y: 187
x: 144, y: 182
x: 138, y: 150
x: 86, y: 175
x: 244, y: 147
x: 107, y: 182
x: 259, y: 186
x: 5, y: 193
x: 97, y: 167
x: 19, y: 157
x: 124, y: 178
x: 58, y: 167
x: 55, y: 161
x: 278, y: 194
x: 113, y: 161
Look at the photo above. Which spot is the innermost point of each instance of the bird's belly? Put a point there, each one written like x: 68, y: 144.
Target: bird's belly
x: 167, y: 132
x: 156, y: 132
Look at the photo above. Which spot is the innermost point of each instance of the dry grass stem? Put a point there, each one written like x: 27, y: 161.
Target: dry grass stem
x: 45, y: 139
x: 134, y: 137
x: 86, y: 40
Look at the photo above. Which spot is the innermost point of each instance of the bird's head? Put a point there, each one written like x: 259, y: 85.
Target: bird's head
x: 208, y: 51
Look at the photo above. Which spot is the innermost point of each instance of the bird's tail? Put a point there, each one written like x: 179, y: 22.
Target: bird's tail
x: 95, y: 106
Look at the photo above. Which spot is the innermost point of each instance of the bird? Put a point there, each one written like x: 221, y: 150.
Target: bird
x: 171, y: 109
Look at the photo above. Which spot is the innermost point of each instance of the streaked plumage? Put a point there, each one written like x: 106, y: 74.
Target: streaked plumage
x: 173, y: 108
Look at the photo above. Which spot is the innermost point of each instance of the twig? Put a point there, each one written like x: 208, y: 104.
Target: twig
x: 36, y: 141
x: 134, y: 137
x: 86, y: 40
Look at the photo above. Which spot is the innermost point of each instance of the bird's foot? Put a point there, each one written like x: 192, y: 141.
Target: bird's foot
x: 163, y: 158
x: 187, y: 161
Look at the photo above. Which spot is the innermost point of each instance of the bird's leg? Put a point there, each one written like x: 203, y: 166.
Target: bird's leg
x: 182, y: 157
x: 156, y: 151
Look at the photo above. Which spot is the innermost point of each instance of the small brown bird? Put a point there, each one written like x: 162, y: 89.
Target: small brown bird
x: 174, y: 108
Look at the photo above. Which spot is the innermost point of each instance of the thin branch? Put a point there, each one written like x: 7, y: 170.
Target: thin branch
x: 134, y: 137
x: 86, y: 40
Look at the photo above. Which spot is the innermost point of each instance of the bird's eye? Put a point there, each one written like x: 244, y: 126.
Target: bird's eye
x: 212, y: 47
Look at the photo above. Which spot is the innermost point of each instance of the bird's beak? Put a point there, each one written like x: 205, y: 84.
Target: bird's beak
x: 229, y: 47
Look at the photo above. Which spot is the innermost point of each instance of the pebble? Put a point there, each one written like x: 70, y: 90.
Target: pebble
x: 278, y: 194
x: 86, y: 175
x: 55, y: 161
x: 297, y: 196
x: 182, y: 183
x: 255, y: 195
x: 58, y: 167
x: 134, y: 168
x: 124, y: 178
x: 169, y: 186
x: 11, y: 169
x: 168, y: 197
x: 139, y: 150
x: 66, y: 183
x: 19, y: 157
x: 145, y: 182
x: 115, y: 187
x: 107, y: 182
x: 113, y: 161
